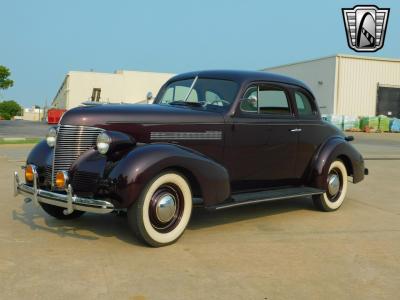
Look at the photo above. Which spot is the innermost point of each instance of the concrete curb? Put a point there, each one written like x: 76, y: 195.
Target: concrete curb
x: 13, y: 139
x: 19, y: 140
x: 382, y: 157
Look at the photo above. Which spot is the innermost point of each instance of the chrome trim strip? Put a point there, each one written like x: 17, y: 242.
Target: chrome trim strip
x: 67, y: 200
x: 242, y: 203
x: 207, y: 135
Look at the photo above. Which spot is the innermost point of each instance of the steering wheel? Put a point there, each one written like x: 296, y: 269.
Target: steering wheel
x: 227, y: 103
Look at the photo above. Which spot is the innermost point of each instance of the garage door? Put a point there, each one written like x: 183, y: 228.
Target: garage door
x: 388, y: 103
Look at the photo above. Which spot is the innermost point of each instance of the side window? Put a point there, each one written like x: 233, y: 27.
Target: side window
x: 304, y: 106
x: 273, y: 101
x: 265, y: 100
x: 249, y: 102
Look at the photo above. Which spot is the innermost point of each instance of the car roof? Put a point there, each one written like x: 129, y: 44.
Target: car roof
x: 241, y: 76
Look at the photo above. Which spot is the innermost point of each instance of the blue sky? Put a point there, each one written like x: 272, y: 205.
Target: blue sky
x: 42, y: 40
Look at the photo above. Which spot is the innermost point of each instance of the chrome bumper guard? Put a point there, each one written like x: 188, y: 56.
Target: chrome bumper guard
x: 67, y: 201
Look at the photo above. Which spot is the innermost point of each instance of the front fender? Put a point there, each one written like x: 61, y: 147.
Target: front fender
x: 42, y: 157
x: 335, y: 148
x: 140, y: 165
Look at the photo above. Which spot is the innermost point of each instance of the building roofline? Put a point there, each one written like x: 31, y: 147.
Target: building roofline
x: 335, y: 55
x: 392, y: 59
x: 91, y: 72
x: 139, y: 71
x: 298, y: 62
x: 118, y: 72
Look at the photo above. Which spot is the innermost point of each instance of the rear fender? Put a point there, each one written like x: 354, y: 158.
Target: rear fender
x: 335, y: 148
x: 130, y: 176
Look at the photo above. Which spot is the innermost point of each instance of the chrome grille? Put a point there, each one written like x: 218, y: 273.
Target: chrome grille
x: 72, y: 141
x: 84, y: 181
x: 48, y: 174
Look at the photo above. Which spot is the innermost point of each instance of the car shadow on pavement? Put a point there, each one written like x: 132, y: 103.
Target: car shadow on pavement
x: 202, y: 218
x: 93, y: 226
x: 87, y: 227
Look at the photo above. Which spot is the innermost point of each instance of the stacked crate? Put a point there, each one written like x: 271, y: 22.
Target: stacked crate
x: 336, y: 120
x: 351, y: 123
x: 384, y: 124
x: 369, y: 124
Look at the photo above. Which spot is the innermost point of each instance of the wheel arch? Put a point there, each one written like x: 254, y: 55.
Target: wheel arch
x: 347, y: 163
x: 191, y: 178
x: 335, y: 148
x: 206, y: 177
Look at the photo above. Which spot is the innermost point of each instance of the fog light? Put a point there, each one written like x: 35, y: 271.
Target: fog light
x: 29, y: 173
x: 61, y: 179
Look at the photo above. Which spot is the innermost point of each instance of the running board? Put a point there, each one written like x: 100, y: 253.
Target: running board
x: 265, y: 196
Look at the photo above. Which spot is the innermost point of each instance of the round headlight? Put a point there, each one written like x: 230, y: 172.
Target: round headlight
x: 103, y: 142
x: 51, y: 137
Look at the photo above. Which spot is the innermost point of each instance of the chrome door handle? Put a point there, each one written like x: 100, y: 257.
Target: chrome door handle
x: 295, y: 130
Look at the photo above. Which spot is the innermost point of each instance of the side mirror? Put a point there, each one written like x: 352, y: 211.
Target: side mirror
x: 248, y: 104
x: 149, y: 96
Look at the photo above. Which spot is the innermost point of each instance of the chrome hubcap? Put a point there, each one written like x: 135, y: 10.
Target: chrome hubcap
x: 165, y: 208
x: 333, y: 184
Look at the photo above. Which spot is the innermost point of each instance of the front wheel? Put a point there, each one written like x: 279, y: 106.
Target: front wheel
x: 333, y: 198
x: 160, y: 215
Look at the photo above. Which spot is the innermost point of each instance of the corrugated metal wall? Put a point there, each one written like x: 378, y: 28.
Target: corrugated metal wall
x: 318, y: 74
x: 358, y: 80
x: 349, y: 83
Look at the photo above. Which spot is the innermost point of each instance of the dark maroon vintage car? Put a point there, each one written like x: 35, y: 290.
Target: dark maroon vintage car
x: 217, y: 139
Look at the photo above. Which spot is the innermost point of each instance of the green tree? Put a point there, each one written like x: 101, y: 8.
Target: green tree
x: 5, y: 81
x: 9, y: 109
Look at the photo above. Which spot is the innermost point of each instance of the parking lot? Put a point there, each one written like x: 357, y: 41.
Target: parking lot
x: 23, y: 129
x: 278, y: 250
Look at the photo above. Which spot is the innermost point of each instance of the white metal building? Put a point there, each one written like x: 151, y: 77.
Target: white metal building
x: 33, y: 114
x: 121, y: 86
x: 350, y: 85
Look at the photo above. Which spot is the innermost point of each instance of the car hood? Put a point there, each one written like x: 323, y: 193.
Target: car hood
x: 107, y: 114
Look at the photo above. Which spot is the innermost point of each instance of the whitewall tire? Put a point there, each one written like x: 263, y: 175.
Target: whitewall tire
x: 162, y: 212
x: 333, y: 198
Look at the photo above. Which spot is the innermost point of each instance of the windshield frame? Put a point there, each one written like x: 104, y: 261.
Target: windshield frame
x: 195, y: 79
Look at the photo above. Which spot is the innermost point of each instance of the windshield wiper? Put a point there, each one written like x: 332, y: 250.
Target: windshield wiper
x: 187, y: 103
x: 191, y: 88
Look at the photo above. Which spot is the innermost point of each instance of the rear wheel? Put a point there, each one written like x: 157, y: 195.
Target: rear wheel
x: 160, y: 215
x: 333, y: 198
x: 58, y: 212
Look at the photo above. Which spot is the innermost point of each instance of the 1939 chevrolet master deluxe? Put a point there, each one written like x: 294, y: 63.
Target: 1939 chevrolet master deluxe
x: 219, y: 139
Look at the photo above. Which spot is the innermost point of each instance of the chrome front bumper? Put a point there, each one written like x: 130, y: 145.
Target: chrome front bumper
x: 67, y: 201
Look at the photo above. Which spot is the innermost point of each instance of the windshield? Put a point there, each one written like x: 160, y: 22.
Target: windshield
x: 200, y: 92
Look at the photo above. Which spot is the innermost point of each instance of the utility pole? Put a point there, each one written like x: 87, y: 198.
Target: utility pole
x: 45, y: 109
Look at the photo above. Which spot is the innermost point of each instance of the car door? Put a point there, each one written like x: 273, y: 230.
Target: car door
x: 260, y: 149
x: 311, y: 134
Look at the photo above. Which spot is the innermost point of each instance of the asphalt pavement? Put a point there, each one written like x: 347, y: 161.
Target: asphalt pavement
x: 23, y: 129
x: 277, y: 250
